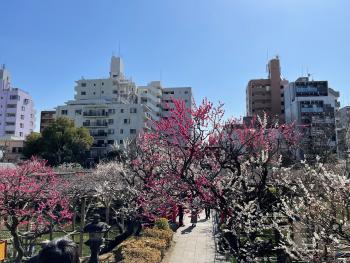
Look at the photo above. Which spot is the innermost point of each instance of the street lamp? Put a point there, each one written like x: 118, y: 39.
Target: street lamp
x: 96, y: 230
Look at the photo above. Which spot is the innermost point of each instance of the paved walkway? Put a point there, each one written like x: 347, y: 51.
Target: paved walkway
x: 193, y: 244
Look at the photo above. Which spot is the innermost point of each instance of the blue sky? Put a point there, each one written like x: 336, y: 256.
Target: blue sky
x: 215, y: 46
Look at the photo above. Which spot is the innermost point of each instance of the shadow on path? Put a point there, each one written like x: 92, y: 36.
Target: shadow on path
x: 187, y: 230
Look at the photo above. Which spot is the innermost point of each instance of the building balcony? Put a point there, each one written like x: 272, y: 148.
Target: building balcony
x: 95, y: 114
x: 99, y: 134
x: 95, y: 124
x: 311, y: 110
x: 99, y: 145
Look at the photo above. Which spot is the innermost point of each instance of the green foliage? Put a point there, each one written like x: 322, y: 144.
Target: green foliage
x: 162, y: 223
x: 61, y: 142
x: 32, y: 145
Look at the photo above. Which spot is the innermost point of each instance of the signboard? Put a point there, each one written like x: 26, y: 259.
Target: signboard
x: 3, y: 246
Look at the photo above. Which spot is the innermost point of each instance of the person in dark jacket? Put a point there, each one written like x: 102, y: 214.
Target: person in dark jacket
x: 194, y: 217
x: 60, y: 250
x: 207, y: 212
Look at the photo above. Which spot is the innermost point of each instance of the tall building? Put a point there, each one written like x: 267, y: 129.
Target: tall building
x: 17, y: 114
x: 114, y: 109
x: 312, y: 105
x: 343, y: 132
x: 46, y: 118
x: 266, y: 95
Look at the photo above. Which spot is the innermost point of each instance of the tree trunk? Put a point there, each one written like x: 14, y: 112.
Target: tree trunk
x: 107, y: 214
x: 73, y: 223
x: 107, y: 218
x: 17, y: 244
x: 82, y: 224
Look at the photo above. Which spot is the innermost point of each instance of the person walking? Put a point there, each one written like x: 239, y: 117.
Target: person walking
x: 181, y: 215
x: 194, y: 216
x: 207, y: 212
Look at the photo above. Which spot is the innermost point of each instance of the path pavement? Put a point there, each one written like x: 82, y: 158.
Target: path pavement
x: 193, y: 244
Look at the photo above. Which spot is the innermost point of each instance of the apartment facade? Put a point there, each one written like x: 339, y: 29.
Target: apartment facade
x: 312, y: 105
x: 46, y: 118
x: 343, y: 132
x: 115, y: 109
x: 266, y: 95
x: 17, y: 113
x: 11, y: 148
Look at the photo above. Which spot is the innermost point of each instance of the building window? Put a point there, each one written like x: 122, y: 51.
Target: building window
x: 23, y: 108
x: 83, y: 84
x: 126, y: 121
x: 102, y: 83
x: 25, y: 101
x: 94, y: 84
x: 11, y: 106
x: 10, y: 132
x: 10, y: 123
x: 21, y: 134
x: 110, y: 121
x: 133, y: 110
x: 102, y: 92
x: 186, y: 92
x: 21, y: 125
x: 115, y: 92
x: 77, y: 112
x: 14, y: 97
x: 11, y: 114
x: 132, y: 131
x: 121, y: 110
x: 22, y: 117
x: 120, y: 141
x: 121, y: 131
x: 64, y: 112
x: 83, y: 93
x: 110, y: 141
x: 111, y: 111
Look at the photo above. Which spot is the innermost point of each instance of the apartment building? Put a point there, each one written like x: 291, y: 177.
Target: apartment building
x: 17, y: 113
x: 115, y: 109
x: 343, y: 132
x: 312, y: 105
x: 46, y: 118
x: 11, y: 148
x: 266, y: 95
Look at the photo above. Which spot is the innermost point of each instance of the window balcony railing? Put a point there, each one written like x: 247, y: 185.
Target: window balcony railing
x: 95, y: 114
x: 99, y: 134
x: 95, y: 124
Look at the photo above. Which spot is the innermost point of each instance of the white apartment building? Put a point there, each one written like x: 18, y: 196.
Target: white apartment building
x: 17, y: 113
x: 312, y: 105
x: 114, y: 109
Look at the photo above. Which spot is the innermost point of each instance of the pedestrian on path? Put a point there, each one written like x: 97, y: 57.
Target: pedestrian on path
x: 207, y: 212
x: 194, y: 216
x: 181, y: 215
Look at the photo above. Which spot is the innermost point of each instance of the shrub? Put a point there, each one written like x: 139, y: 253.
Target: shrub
x: 162, y: 223
x: 167, y: 235
x: 153, y: 242
x: 136, y: 250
